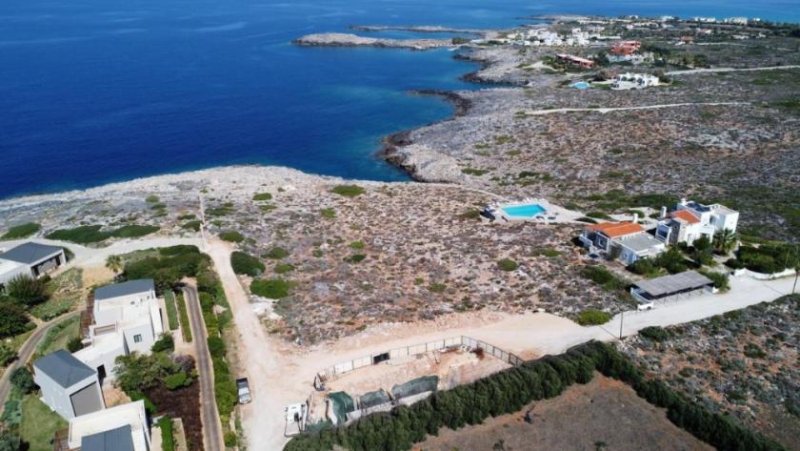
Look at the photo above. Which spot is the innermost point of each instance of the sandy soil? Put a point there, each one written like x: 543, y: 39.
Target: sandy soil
x: 610, y: 414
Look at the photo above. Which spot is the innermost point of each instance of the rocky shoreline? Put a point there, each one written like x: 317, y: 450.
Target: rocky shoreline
x: 352, y: 40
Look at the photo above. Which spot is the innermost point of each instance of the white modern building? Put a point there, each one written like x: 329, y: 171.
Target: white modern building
x: 30, y: 259
x: 126, y: 317
x: 691, y: 220
x: 68, y: 386
x: 624, y: 241
x: 120, y: 428
x: 634, y: 81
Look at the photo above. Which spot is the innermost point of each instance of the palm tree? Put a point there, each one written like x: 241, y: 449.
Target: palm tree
x: 725, y: 241
x: 114, y: 263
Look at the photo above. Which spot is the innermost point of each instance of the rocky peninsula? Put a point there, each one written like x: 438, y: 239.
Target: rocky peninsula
x: 352, y: 40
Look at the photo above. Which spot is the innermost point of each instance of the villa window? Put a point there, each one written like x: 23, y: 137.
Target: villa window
x: 137, y: 338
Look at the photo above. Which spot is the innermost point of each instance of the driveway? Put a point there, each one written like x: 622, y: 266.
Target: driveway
x: 212, y: 429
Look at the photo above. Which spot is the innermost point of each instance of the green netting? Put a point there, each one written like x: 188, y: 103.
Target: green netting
x: 374, y: 398
x: 342, y: 405
x: 415, y: 386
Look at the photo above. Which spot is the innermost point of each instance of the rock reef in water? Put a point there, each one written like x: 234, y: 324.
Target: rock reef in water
x: 352, y: 40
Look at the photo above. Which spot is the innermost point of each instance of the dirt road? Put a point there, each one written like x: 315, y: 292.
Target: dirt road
x: 212, y: 429
x: 730, y: 69
x: 630, y: 108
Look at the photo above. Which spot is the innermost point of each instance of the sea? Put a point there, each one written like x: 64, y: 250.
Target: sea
x: 98, y: 91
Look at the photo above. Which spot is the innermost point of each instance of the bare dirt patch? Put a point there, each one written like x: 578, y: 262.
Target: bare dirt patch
x: 609, y: 413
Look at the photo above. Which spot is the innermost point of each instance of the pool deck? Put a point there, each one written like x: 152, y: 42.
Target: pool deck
x: 553, y: 214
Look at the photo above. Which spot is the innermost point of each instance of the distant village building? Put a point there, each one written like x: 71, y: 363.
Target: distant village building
x: 575, y: 60
x: 123, y: 318
x: 68, y: 386
x: 634, y: 81
x: 30, y: 259
x: 692, y: 220
x: 626, y: 47
x: 736, y: 20
x: 624, y: 241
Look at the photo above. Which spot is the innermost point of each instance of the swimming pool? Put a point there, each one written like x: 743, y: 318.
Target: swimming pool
x: 581, y: 85
x: 523, y: 211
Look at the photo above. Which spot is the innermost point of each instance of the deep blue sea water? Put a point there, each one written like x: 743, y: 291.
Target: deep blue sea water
x: 94, y: 91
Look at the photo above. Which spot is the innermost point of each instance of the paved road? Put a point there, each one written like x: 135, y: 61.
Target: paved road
x: 26, y: 352
x: 212, y: 429
x: 602, y: 110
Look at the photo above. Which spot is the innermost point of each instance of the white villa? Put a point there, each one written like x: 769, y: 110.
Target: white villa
x: 30, y: 259
x: 69, y: 387
x: 126, y: 317
x: 634, y: 81
x: 625, y: 241
x: 690, y: 220
x: 120, y: 428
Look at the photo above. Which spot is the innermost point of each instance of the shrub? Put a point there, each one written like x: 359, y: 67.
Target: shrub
x: 177, y: 380
x: 232, y: 236
x: 437, y: 287
x: 283, y: 268
x: 192, y: 225
x: 27, y: 290
x: 328, y: 213
x: 644, y: 267
x: 216, y: 347
x: 262, y: 196
x: 183, y: 317
x: 13, y: 320
x: 603, y: 277
x: 271, y: 288
x: 81, y: 234
x: 655, y: 333
x: 7, y: 354
x: 230, y: 439
x: 507, y: 264
x: 246, y: 264
x: 164, y: 344
x: 357, y: 245
x: 721, y: 280
x: 277, y: 253
x: 348, y: 190
x: 593, y: 317
x: 134, y: 231
x: 355, y: 258
x: 21, y: 231
x: 22, y: 380
x: 672, y: 260
x: 74, y: 344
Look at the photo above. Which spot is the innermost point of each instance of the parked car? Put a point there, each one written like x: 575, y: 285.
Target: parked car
x: 244, y: 390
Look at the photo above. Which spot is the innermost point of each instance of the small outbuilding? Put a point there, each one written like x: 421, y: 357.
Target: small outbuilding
x: 69, y: 387
x: 30, y: 259
x: 671, y: 287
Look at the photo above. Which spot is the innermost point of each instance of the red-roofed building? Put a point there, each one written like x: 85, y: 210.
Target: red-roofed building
x: 626, y: 47
x: 626, y: 241
x: 575, y: 60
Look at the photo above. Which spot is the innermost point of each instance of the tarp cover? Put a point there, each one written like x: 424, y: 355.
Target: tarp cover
x: 342, y: 404
x: 415, y: 386
x: 374, y: 398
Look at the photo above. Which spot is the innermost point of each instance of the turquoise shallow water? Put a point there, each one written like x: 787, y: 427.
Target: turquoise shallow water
x: 93, y: 91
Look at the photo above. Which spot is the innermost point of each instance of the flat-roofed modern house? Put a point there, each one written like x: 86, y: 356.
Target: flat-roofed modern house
x: 30, y: 259
x: 692, y: 220
x: 125, y: 317
x: 671, y: 287
x: 626, y: 241
x: 69, y: 387
x: 120, y: 428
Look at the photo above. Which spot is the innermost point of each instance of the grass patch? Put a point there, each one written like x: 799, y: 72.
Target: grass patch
x: 59, y: 336
x: 271, y: 288
x: 66, y: 291
x: 603, y: 277
x: 283, y: 268
x: 167, y: 435
x: 593, y: 317
x: 231, y: 236
x: 172, y: 309
x: 39, y: 423
x: 357, y: 245
x: 262, y: 196
x: 474, y: 171
x: 348, y: 190
x: 21, y: 231
x: 355, y: 258
x: 183, y: 316
x: 94, y: 234
x: 437, y: 287
x: 328, y: 213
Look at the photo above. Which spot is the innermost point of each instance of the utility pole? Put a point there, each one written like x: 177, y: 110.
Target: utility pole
x: 621, y: 319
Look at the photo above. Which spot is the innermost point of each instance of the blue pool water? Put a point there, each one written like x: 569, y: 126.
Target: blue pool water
x: 523, y: 211
x: 94, y: 91
x: 582, y: 85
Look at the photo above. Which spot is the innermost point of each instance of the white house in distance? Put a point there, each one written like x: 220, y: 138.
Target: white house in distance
x: 120, y: 428
x: 634, y: 81
x: 125, y: 317
x: 30, y: 259
x: 691, y: 220
x: 626, y: 241
x: 69, y: 387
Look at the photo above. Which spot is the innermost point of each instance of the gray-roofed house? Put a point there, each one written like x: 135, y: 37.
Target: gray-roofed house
x: 31, y: 259
x: 639, y: 245
x: 118, y: 439
x: 671, y: 287
x: 119, y: 428
x: 69, y: 387
x: 132, y: 288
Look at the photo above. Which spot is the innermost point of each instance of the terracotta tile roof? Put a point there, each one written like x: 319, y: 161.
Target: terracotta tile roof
x: 686, y: 216
x: 616, y: 229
